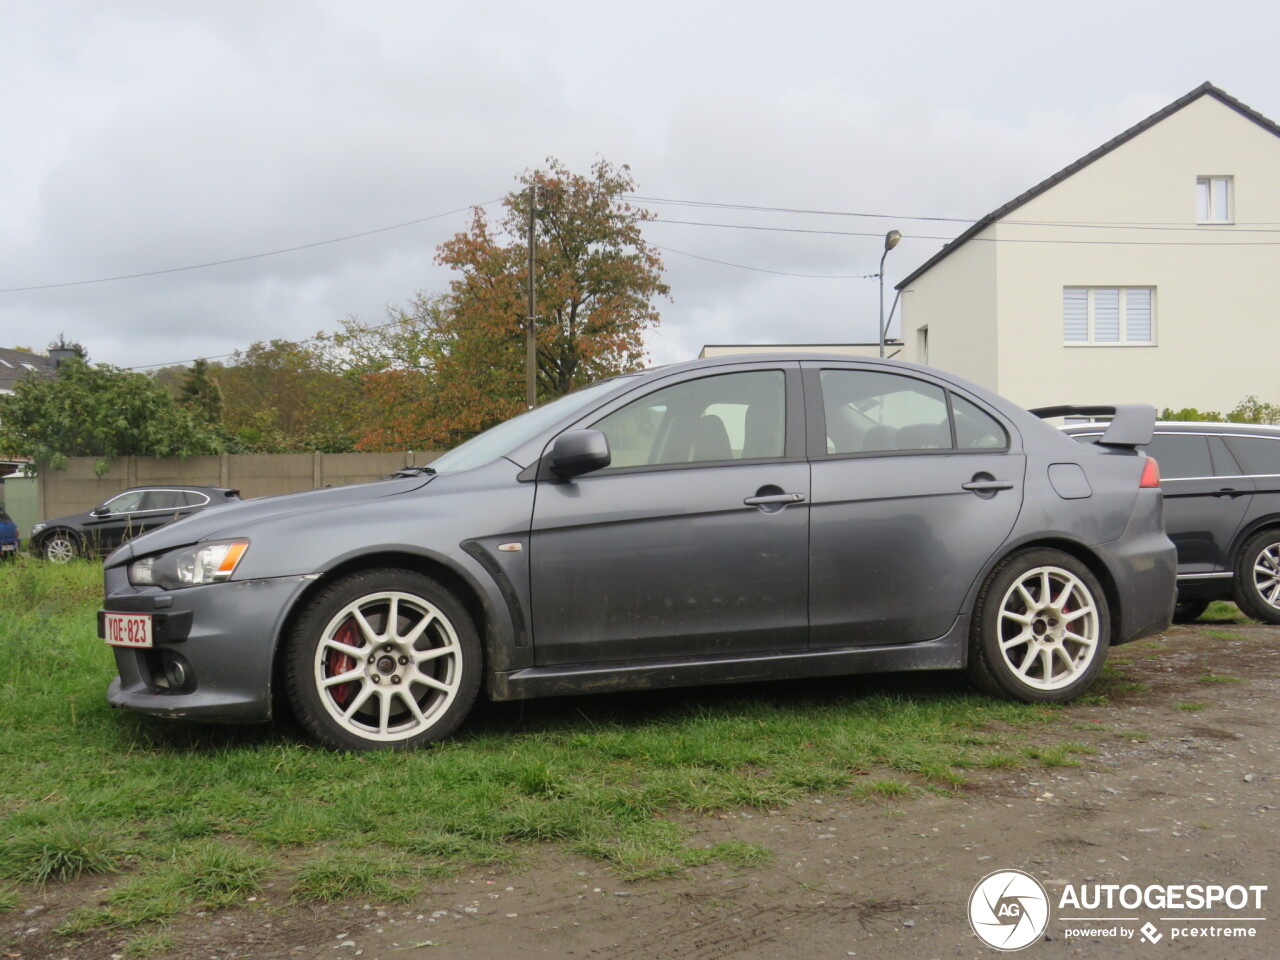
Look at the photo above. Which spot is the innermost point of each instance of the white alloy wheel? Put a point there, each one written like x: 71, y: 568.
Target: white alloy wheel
x: 388, y: 666
x: 1041, y: 628
x: 383, y: 658
x: 1049, y: 628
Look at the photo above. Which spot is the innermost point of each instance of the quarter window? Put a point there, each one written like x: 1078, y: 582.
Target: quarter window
x: 1257, y: 455
x: 1108, y: 316
x: 1213, y: 199
x: 733, y: 416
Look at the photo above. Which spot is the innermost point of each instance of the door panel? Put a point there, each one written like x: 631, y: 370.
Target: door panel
x: 897, y: 542
x: 914, y: 490
x: 670, y: 563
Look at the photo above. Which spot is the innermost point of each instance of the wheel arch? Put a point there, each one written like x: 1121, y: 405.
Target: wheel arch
x: 38, y: 541
x: 1080, y: 552
x: 1252, y: 529
x: 480, y: 608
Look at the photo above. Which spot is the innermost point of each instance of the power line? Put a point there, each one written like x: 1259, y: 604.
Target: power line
x: 919, y: 236
x: 251, y: 256
x: 1271, y: 225
x: 780, y: 273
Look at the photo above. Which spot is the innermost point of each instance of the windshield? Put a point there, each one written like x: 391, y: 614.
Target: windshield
x: 500, y: 440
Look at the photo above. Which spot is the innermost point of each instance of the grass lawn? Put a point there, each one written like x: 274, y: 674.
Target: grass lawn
x: 176, y: 817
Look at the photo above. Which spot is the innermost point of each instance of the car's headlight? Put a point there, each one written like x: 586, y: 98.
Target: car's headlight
x: 37, y: 527
x: 190, y: 566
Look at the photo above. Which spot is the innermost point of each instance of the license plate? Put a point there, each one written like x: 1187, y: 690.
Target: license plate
x: 128, y: 629
x: 6, y: 547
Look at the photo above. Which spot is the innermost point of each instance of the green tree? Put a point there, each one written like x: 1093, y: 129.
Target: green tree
x: 284, y: 397
x: 199, y: 392
x: 1248, y: 410
x: 449, y: 366
x: 98, y: 411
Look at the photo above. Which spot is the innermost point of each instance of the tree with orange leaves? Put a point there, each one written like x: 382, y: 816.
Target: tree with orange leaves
x: 453, y: 365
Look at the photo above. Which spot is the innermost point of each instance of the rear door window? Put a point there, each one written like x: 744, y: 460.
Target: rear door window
x: 1181, y: 455
x: 1259, y: 456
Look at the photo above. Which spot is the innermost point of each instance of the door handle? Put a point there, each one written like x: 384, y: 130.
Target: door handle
x: 775, y: 498
x: 1228, y: 493
x: 986, y: 486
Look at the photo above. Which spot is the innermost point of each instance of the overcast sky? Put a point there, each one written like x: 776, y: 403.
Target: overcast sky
x: 148, y: 135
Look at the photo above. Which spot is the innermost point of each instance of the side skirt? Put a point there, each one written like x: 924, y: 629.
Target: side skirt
x: 945, y: 653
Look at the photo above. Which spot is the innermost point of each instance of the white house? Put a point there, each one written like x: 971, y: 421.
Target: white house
x: 1148, y: 271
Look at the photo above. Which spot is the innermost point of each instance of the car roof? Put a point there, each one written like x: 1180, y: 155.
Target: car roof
x: 179, y: 486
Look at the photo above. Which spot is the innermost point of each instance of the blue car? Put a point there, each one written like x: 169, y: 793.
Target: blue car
x: 9, y: 541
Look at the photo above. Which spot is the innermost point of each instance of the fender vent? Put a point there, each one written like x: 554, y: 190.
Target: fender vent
x: 491, y: 566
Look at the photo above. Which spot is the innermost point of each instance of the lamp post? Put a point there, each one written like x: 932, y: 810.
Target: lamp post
x: 890, y: 241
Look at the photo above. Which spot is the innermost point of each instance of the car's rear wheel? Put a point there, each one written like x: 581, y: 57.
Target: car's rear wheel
x: 382, y: 659
x: 1041, y: 628
x: 60, y: 547
x: 1187, y: 611
x: 1257, y: 589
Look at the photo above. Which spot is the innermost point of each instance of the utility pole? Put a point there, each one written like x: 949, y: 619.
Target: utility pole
x: 530, y: 342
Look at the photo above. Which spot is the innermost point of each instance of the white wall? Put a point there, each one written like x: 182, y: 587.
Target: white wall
x: 1217, y: 295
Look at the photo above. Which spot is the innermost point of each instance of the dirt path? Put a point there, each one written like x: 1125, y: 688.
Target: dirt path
x: 1183, y: 787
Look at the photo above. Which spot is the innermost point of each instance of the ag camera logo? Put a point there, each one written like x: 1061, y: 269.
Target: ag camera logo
x: 1009, y: 910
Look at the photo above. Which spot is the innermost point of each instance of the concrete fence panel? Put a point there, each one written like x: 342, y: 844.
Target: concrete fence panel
x: 78, y: 488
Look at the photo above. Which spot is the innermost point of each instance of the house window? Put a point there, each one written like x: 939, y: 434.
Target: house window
x: 1108, y: 316
x: 1213, y: 200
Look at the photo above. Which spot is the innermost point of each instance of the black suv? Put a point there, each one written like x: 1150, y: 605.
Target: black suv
x: 1221, y: 485
x: 123, y: 517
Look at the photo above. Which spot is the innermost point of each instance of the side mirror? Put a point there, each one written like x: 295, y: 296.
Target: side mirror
x: 578, y: 452
x: 101, y: 511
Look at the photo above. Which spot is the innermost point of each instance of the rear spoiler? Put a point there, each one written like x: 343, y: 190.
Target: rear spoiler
x: 1132, y: 424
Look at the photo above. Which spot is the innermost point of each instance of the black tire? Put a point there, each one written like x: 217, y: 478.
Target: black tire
x: 1188, y: 611
x: 60, y: 547
x: 1257, y: 581
x: 411, y: 683
x: 1024, y: 645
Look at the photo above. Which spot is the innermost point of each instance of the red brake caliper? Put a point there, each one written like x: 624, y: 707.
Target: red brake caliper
x: 337, y: 663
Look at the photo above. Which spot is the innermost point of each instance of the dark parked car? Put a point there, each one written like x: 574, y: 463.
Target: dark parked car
x: 1222, y: 511
x: 716, y: 521
x: 10, y: 543
x: 123, y: 517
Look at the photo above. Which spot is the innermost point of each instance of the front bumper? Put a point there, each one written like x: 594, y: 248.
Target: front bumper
x: 222, y: 636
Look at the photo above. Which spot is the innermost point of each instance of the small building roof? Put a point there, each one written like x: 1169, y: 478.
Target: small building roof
x: 854, y: 349
x: 16, y: 364
x: 1205, y: 89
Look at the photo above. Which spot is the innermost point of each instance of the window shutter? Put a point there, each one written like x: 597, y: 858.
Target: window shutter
x: 1137, y: 316
x: 1075, y: 314
x: 1106, y: 315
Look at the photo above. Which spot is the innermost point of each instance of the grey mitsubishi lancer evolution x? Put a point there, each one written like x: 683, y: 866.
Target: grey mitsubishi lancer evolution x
x: 724, y: 520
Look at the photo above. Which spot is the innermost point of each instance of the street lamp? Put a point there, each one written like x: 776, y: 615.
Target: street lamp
x: 890, y: 241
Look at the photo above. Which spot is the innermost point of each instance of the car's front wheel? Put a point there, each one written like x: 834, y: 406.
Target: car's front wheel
x: 60, y: 548
x: 382, y: 659
x: 1041, y: 628
x: 1257, y: 590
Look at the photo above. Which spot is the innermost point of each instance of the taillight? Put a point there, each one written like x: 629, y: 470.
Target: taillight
x: 1150, y: 474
